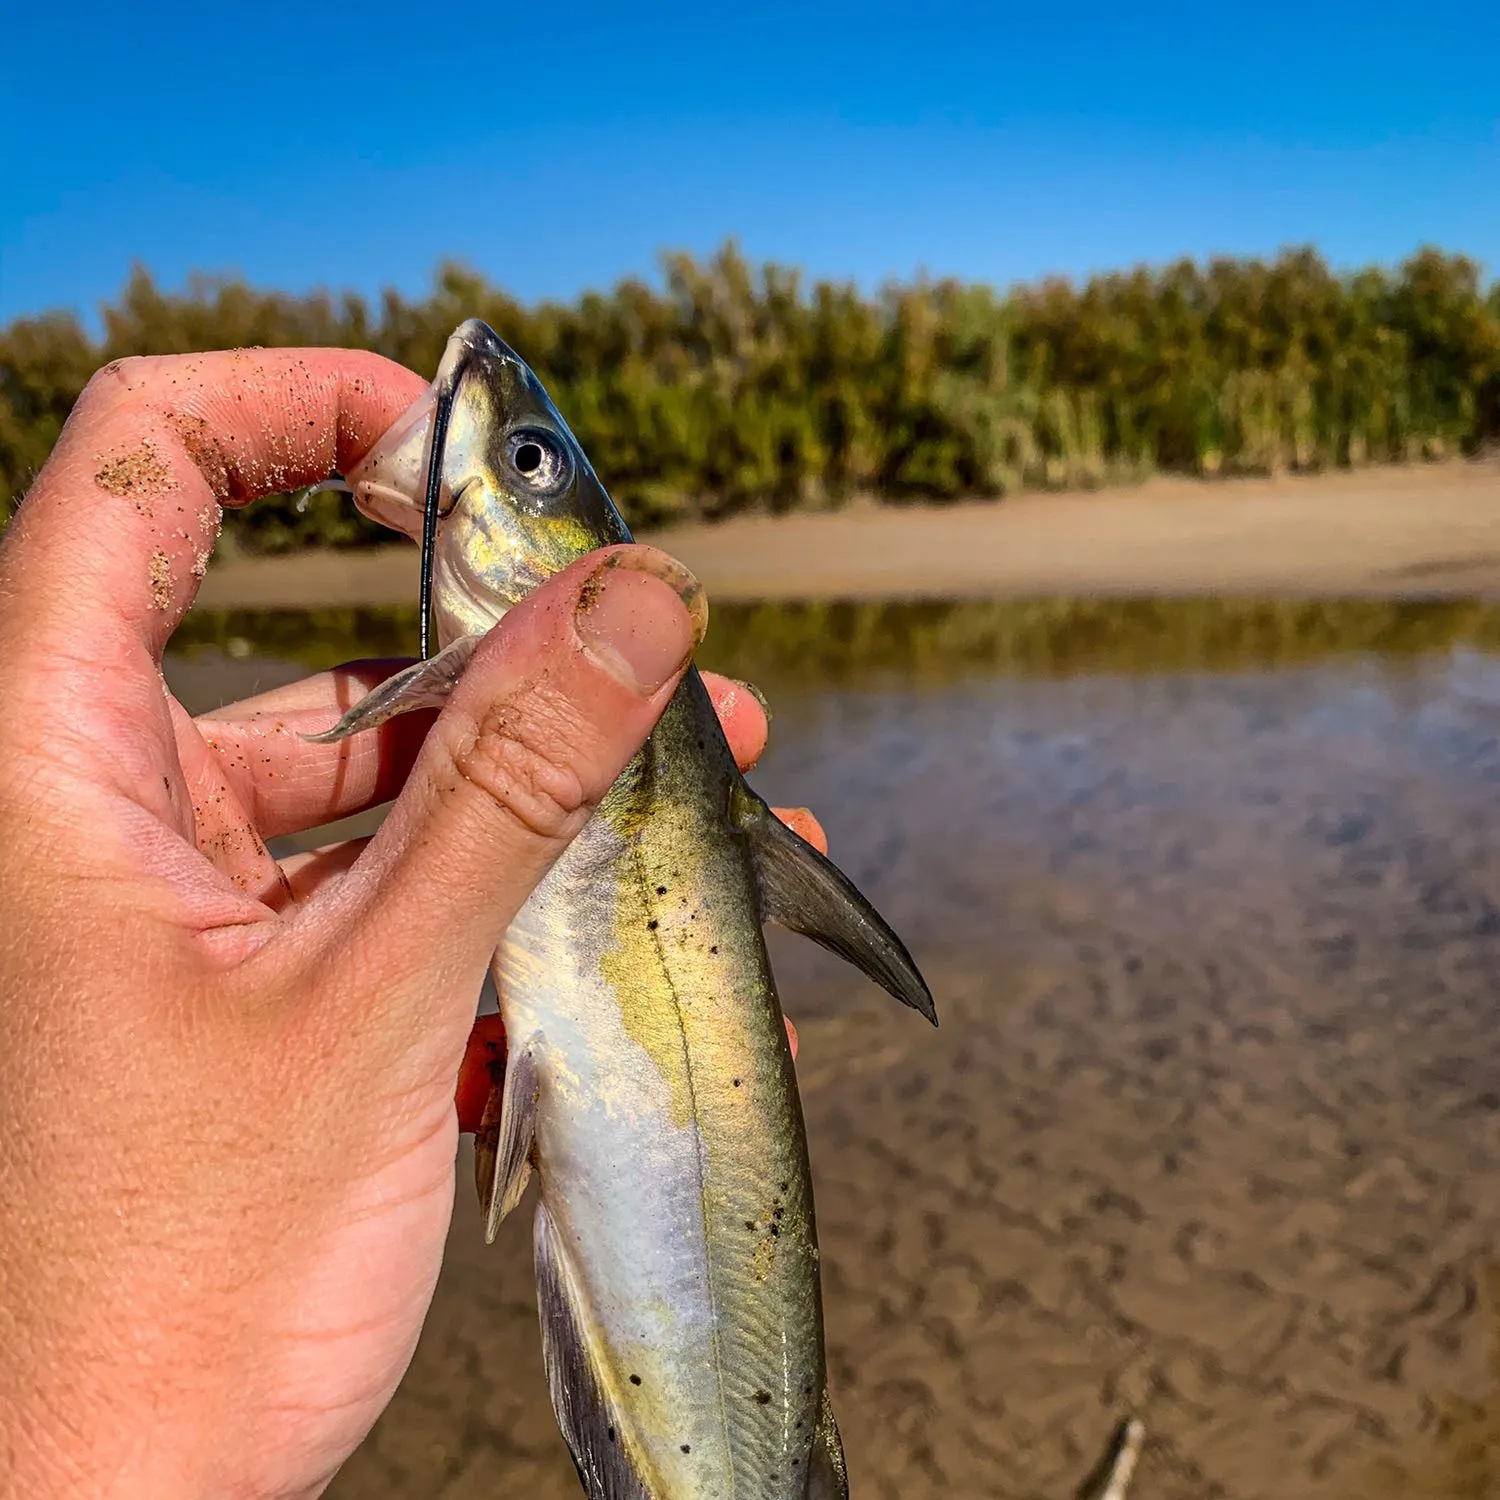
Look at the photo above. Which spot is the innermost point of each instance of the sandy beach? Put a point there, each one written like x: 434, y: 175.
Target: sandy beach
x: 1430, y: 530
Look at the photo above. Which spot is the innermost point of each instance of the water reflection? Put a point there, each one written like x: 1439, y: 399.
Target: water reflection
x: 824, y: 643
x: 1213, y: 1125
x: 1208, y: 896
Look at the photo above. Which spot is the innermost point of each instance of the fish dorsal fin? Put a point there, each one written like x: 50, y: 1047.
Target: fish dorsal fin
x: 591, y: 1427
x: 827, y: 1474
x: 502, y: 1144
x: 802, y: 890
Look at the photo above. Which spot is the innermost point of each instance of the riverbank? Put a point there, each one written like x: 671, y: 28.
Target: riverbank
x: 1404, y: 531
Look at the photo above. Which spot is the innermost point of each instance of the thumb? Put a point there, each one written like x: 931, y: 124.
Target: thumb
x: 554, y: 703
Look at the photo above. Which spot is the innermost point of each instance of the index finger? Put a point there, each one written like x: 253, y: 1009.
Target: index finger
x: 115, y: 534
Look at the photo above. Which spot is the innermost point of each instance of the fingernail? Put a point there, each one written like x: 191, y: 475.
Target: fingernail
x: 641, y: 615
x: 760, y: 698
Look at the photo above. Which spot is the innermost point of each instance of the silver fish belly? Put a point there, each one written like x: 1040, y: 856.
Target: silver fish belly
x: 676, y: 1218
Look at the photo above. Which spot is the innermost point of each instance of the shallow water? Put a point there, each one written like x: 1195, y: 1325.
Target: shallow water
x: 849, y: 643
x: 1211, y: 1129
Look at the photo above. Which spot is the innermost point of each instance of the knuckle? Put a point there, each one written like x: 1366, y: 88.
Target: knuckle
x: 119, y: 376
x: 521, y: 771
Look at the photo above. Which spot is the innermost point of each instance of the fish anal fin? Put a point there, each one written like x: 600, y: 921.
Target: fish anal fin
x: 502, y: 1144
x: 424, y: 684
x: 806, y: 892
x: 827, y: 1474
x: 590, y: 1426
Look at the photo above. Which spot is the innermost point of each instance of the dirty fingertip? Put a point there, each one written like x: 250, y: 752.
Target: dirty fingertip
x: 641, y: 616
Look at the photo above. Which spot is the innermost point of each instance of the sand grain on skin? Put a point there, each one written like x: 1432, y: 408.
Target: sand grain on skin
x: 138, y: 475
x: 161, y: 580
x: 208, y: 453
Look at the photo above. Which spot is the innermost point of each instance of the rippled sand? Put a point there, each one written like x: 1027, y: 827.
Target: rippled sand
x: 1211, y: 1129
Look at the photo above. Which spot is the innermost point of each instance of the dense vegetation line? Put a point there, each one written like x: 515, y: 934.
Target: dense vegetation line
x: 735, y: 387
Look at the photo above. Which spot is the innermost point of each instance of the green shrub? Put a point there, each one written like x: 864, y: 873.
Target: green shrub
x: 734, y: 387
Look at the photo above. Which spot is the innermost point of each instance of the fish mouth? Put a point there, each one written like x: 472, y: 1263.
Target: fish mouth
x: 474, y: 338
x: 388, y: 484
x: 454, y: 436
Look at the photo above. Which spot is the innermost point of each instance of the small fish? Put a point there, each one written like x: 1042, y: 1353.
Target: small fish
x: 649, y: 1083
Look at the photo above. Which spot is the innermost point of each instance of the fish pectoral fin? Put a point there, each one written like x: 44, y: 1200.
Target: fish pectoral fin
x: 827, y: 1474
x: 589, y: 1422
x: 502, y: 1144
x: 424, y: 684
x: 803, y: 890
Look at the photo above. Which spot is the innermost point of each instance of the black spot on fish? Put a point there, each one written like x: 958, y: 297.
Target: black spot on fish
x: 635, y: 1380
x: 687, y: 1447
x: 763, y: 1398
x: 652, y: 925
x: 736, y: 1083
x: 750, y: 1225
x: 714, y: 948
x: 775, y: 1230
x: 661, y: 890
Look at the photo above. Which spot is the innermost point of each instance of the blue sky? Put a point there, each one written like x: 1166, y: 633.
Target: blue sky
x: 561, y: 147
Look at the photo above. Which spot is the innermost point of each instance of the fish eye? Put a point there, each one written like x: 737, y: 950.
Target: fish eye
x: 539, y: 460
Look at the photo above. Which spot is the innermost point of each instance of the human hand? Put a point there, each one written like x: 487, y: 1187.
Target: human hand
x: 227, y: 1124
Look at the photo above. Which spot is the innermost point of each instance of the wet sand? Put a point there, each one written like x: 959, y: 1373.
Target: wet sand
x: 1211, y: 1129
x: 1398, y: 531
